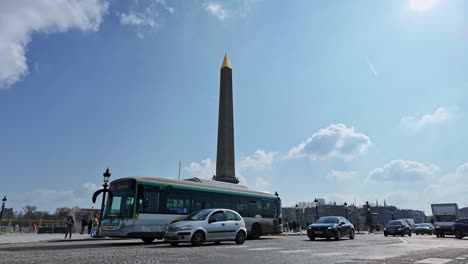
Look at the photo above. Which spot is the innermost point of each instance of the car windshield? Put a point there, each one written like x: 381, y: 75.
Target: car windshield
x: 394, y: 223
x: 198, y: 215
x: 327, y: 220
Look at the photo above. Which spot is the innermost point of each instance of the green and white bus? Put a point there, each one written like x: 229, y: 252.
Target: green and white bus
x: 142, y: 207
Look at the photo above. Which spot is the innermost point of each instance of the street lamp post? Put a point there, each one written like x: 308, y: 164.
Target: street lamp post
x: 104, y: 190
x: 316, y: 210
x: 297, y: 214
x: 4, y: 200
x: 346, y: 209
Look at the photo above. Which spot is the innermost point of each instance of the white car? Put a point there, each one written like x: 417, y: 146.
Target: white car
x: 207, y: 225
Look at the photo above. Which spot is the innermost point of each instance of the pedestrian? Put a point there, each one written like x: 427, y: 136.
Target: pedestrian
x: 95, y: 227
x: 90, y: 226
x: 70, y: 223
x: 84, y: 223
x: 294, y: 225
x: 34, y: 228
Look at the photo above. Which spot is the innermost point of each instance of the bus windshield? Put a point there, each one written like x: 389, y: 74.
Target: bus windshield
x: 123, y: 201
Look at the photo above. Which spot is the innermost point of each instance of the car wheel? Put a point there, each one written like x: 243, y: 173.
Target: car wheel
x: 417, y: 233
x: 240, y: 238
x: 338, y: 235
x: 198, y: 238
x: 174, y: 244
x: 385, y: 234
x: 352, y: 234
x: 148, y: 239
x: 393, y: 235
x: 458, y: 234
x: 312, y: 238
x: 256, y: 231
x: 409, y: 234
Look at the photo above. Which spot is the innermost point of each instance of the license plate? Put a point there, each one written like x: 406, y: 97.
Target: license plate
x: 171, y: 237
x: 318, y: 232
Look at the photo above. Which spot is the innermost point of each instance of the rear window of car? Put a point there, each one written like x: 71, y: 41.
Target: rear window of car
x: 230, y: 216
x: 394, y: 222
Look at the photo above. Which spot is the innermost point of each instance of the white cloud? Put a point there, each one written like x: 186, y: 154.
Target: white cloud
x: 216, y: 9
x: 404, y: 171
x: 422, y: 5
x: 462, y: 172
x: 164, y: 4
x: 224, y: 10
x: 261, y: 183
x: 336, y: 140
x: 50, y: 199
x: 203, y: 170
x: 259, y: 160
x: 20, y: 19
x: 440, y: 116
x: 335, y: 175
x: 145, y: 15
x: 91, y: 187
x: 138, y: 19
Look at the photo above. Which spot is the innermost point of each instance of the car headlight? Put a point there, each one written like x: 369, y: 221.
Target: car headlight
x: 330, y: 227
x: 399, y: 229
x: 186, y: 227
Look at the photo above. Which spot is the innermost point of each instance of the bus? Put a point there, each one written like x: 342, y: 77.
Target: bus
x: 142, y: 207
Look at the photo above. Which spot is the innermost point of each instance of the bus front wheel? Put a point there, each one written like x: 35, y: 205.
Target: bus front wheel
x: 148, y: 239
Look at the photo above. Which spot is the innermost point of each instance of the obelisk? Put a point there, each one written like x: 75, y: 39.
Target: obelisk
x: 225, y: 169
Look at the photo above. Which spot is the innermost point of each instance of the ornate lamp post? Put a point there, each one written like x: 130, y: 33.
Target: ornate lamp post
x: 297, y: 214
x: 346, y: 209
x: 316, y: 210
x: 104, y: 189
x: 4, y: 200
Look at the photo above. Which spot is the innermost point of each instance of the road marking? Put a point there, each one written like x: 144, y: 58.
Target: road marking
x: 403, y: 240
x: 295, y: 251
x: 330, y: 254
x: 258, y: 249
x: 235, y: 247
x: 434, y: 261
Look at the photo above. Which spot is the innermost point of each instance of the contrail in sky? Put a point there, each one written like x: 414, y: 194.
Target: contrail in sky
x: 372, y: 67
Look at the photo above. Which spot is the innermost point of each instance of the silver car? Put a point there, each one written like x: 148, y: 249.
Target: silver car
x: 207, y: 225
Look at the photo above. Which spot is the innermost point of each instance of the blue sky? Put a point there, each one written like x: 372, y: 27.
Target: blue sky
x: 341, y: 100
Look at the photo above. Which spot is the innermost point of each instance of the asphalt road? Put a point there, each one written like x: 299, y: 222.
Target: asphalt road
x: 374, y: 248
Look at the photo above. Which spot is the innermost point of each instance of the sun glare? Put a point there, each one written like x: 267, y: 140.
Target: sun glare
x: 422, y: 5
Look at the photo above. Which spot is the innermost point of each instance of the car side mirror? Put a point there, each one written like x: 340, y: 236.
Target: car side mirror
x: 342, y: 223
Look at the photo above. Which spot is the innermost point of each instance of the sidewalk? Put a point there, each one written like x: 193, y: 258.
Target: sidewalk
x: 27, y: 238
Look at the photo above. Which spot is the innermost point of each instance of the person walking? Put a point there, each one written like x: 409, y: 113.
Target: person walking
x: 84, y: 223
x: 90, y: 226
x: 95, y: 226
x: 70, y: 223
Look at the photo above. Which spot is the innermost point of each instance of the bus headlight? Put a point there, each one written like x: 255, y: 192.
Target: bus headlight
x: 186, y: 227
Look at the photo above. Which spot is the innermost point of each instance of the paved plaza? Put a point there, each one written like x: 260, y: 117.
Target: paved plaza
x: 374, y: 248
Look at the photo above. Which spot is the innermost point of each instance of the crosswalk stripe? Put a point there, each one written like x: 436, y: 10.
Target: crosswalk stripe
x: 258, y: 249
x: 295, y: 251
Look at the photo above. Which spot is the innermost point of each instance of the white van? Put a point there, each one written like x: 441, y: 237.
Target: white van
x: 410, y: 222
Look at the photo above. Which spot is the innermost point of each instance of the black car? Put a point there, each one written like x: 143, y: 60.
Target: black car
x: 331, y: 226
x: 397, y: 227
x: 460, y: 228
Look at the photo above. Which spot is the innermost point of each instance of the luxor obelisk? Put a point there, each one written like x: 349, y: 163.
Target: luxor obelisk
x: 225, y: 167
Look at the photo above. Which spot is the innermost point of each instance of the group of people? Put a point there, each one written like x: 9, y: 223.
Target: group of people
x: 92, y: 225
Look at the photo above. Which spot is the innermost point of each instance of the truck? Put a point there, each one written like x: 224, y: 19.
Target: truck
x: 443, y: 217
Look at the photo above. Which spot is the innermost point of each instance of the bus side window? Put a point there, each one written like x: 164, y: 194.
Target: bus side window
x: 148, y: 199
